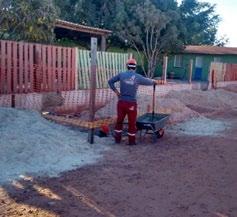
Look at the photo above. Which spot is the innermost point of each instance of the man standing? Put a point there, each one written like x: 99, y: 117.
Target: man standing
x: 127, y: 103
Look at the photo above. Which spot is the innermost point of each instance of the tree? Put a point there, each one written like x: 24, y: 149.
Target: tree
x: 222, y: 41
x: 95, y: 13
x: 29, y: 20
x: 150, y: 31
x: 200, y: 22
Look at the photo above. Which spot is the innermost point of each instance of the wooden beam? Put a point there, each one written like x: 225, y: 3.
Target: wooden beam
x: 92, y: 87
x: 82, y: 28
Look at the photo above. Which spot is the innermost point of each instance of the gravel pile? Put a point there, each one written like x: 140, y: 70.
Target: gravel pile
x: 29, y: 144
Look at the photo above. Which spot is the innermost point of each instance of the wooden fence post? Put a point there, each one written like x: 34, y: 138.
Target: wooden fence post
x: 190, y: 71
x: 76, y: 69
x: 164, y: 68
x: 92, y: 87
x: 37, y: 71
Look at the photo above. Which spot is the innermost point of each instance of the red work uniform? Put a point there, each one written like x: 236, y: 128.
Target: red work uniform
x: 127, y: 103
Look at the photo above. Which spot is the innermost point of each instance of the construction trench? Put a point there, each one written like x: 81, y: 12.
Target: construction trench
x: 50, y: 170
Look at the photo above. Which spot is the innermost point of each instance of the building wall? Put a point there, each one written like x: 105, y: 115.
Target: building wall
x: 183, y: 73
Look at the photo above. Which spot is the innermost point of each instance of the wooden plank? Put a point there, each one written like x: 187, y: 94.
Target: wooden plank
x: 26, y: 67
x: 64, y: 69
x: 97, y: 83
x: 106, y: 65
x: 31, y: 67
x: 120, y: 63
x: 109, y: 59
x: 73, y: 69
x: 103, y: 65
x: 66, y: 66
x: 3, y: 67
x: 86, y: 69
x: 109, y: 62
x: 44, y: 82
x: 124, y: 60
x: 83, y: 70
x: 59, y: 68
x: 88, y: 64
x: 9, y: 68
x: 110, y: 67
x: 99, y: 70
x: 113, y: 71
x: 15, y: 66
x: 116, y: 63
x: 21, y: 68
x: 36, y: 71
x: 54, y: 69
x: 49, y: 69
x: 80, y: 77
x: 69, y: 62
x: 76, y: 74
x: 92, y: 86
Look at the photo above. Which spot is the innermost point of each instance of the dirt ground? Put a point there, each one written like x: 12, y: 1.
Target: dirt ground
x: 182, y: 175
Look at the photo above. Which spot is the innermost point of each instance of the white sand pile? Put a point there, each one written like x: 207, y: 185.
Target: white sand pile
x: 29, y: 144
x: 213, y: 99
x: 181, y: 105
x: 178, y: 111
x: 201, y: 127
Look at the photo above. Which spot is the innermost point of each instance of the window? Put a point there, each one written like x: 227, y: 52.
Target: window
x: 217, y: 59
x: 178, y: 61
x: 199, y: 62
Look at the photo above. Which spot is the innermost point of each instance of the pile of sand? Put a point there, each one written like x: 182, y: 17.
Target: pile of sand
x: 29, y: 144
x: 181, y: 105
x: 178, y: 110
x: 213, y: 99
x: 201, y: 126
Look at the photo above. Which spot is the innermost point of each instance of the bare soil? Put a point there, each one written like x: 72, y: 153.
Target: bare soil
x: 182, y: 175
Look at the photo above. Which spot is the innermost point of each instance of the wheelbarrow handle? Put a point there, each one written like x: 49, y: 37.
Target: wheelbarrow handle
x: 153, y: 100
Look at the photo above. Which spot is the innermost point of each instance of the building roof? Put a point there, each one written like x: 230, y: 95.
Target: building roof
x: 81, y: 28
x: 194, y: 49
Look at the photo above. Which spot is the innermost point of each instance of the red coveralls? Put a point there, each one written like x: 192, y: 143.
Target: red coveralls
x: 130, y: 109
x: 127, y: 105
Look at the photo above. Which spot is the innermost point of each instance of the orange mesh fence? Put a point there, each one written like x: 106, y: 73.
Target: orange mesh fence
x: 56, y: 81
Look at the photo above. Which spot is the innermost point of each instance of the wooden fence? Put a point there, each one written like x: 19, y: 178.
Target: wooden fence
x: 223, y: 72
x: 28, y: 67
x: 108, y: 64
x: 231, y: 72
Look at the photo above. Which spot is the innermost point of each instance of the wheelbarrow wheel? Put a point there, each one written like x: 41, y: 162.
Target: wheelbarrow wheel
x: 160, y: 133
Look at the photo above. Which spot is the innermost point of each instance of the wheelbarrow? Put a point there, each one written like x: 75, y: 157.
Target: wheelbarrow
x: 152, y: 123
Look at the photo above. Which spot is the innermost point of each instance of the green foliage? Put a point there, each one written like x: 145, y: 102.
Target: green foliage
x: 29, y: 20
x: 151, y: 31
x: 69, y: 43
x: 95, y: 13
x: 152, y: 27
x: 200, y: 22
